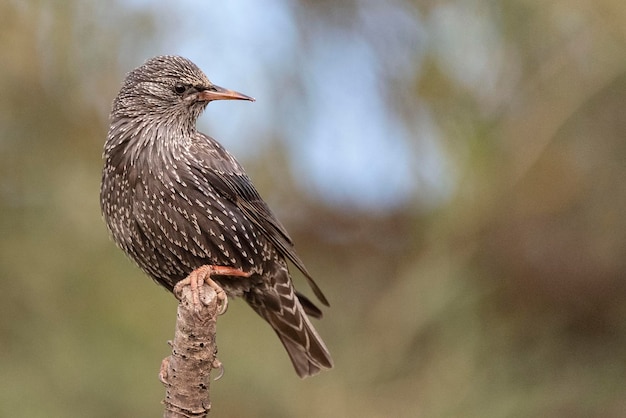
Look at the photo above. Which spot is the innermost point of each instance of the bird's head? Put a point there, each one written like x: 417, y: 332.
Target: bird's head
x: 169, y: 87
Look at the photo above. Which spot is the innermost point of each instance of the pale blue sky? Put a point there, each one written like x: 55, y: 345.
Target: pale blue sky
x: 346, y: 144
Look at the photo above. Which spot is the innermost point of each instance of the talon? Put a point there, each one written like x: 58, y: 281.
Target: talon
x: 218, y: 365
x: 197, y: 278
x: 201, y: 275
x: 163, y: 370
x: 178, y: 289
x: 222, y: 303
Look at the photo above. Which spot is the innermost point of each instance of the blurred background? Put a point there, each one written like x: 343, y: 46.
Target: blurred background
x: 453, y: 175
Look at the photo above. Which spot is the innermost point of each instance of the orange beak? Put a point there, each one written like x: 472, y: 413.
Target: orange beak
x: 220, y: 93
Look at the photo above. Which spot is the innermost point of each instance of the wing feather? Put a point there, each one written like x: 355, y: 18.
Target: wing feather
x: 227, y: 177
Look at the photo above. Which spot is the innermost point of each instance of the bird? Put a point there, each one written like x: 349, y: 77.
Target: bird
x: 176, y: 201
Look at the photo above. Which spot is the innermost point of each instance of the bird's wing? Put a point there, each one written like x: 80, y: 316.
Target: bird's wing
x: 222, y: 171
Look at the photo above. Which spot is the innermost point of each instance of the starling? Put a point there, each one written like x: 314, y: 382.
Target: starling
x: 175, y: 201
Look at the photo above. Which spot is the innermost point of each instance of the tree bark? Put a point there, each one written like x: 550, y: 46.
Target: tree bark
x: 186, y: 372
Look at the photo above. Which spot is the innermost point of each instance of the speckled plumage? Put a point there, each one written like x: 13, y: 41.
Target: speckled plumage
x: 174, y: 199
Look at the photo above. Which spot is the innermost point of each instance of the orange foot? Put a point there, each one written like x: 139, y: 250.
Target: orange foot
x: 202, y: 275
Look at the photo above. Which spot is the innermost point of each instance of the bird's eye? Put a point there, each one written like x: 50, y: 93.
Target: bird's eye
x: 180, y: 88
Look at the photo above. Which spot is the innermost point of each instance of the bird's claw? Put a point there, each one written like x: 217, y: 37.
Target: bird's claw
x: 163, y: 371
x: 218, y: 365
x: 201, y: 275
x: 222, y: 303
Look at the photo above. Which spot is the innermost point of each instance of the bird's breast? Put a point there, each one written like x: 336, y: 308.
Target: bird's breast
x: 179, y: 221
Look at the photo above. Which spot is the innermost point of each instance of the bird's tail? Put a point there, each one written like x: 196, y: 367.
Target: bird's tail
x: 281, y: 307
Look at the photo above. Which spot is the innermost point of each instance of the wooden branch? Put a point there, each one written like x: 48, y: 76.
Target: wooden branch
x: 186, y: 373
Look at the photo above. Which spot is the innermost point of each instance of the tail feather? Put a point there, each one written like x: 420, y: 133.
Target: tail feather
x: 307, y: 361
x: 305, y: 347
x: 309, y: 307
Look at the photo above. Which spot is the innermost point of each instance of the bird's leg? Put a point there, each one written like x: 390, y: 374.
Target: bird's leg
x: 201, y: 275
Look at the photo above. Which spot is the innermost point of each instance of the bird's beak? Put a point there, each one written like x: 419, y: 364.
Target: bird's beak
x: 220, y: 93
